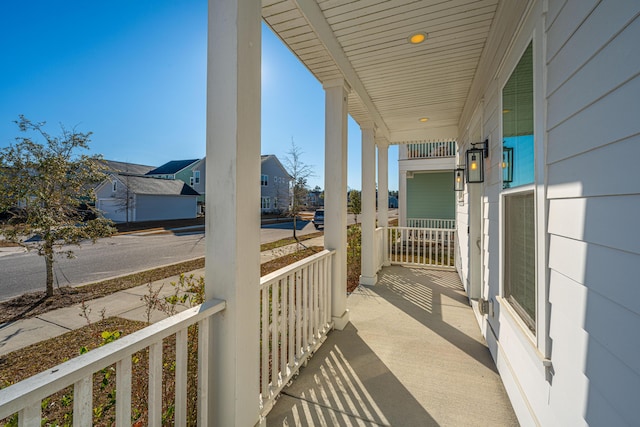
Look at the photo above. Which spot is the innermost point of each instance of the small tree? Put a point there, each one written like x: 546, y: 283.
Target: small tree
x: 43, y: 186
x: 300, y: 172
x: 355, y: 203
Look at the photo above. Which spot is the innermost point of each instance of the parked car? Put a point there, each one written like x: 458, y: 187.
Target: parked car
x: 318, y: 218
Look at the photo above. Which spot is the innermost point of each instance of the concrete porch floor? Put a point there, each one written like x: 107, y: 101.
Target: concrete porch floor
x: 412, y: 355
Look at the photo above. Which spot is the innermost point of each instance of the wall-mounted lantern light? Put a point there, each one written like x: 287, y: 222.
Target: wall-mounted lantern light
x: 507, y: 164
x: 475, y: 162
x: 458, y: 179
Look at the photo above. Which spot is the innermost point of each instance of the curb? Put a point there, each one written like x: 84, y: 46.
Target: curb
x: 136, y: 272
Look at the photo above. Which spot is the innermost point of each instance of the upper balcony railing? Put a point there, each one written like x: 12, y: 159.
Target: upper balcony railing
x: 431, y: 223
x: 428, y: 150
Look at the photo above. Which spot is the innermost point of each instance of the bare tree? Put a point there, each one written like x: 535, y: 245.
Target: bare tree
x: 124, y: 195
x: 43, y: 187
x: 300, y: 172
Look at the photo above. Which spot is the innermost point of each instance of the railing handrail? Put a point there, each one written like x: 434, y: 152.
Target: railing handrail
x: 397, y: 227
x: 279, y: 274
x: 430, y: 219
x: 20, y: 395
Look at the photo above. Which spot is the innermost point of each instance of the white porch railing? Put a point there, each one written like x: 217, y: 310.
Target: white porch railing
x: 429, y: 150
x: 431, y: 223
x: 379, y: 248
x: 295, y: 317
x: 25, y: 398
x: 421, y: 246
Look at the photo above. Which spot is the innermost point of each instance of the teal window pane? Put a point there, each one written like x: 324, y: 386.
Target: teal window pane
x: 517, y: 124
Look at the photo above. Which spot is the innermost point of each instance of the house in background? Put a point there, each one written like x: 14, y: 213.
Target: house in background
x: 111, y: 166
x: 190, y: 171
x: 134, y: 198
x: 175, y: 169
x: 426, y: 197
x: 315, y: 198
x: 274, y: 181
x: 274, y: 185
x: 393, y: 202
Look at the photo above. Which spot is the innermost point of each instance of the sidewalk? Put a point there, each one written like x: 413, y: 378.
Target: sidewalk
x: 10, y: 250
x: 127, y: 304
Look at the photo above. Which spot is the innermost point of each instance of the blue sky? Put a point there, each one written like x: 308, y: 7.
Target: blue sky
x: 134, y: 74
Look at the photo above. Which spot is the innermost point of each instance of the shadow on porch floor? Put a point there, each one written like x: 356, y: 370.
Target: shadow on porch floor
x: 412, y: 355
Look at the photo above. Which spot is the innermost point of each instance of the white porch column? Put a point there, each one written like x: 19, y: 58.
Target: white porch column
x: 368, y: 274
x: 383, y: 183
x: 233, y: 216
x: 402, y: 199
x: 383, y: 192
x: 335, y: 194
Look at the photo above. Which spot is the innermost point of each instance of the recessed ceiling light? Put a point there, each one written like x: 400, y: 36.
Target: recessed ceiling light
x: 417, y: 38
x: 423, y: 119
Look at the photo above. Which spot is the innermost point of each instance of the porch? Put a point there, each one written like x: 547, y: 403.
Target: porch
x: 412, y: 355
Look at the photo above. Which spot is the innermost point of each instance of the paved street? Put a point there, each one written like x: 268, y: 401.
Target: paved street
x: 24, y: 272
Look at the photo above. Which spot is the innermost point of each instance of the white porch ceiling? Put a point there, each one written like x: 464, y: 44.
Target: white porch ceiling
x: 394, y: 83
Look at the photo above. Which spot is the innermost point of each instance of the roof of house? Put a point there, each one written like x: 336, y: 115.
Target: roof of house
x: 265, y: 157
x: 129, y: 168
x: 156, y: 186
x: 174, y: 166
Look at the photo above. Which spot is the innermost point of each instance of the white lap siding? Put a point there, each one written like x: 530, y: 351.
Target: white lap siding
x: 587, y: 201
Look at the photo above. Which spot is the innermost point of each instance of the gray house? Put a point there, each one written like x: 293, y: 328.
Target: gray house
x: 274, y: 185
x: 134, y: 198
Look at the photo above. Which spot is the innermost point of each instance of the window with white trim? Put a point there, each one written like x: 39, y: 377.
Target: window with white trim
x: 520, y: 255
x: 264, y: 180
x: 114, y: 184
x: 518, y: 161
x: 196, y: 177
x: 265, y: 203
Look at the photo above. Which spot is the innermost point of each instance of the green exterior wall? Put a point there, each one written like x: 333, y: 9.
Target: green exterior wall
x: 431, y: 195
x: 185, y: 176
